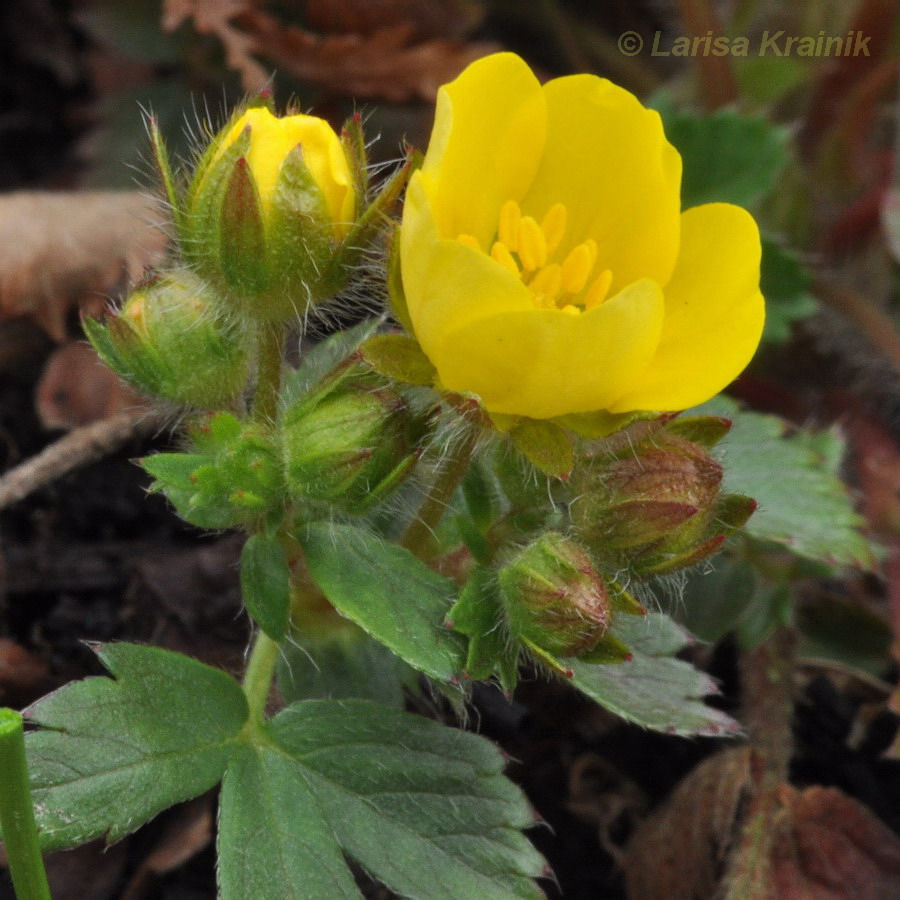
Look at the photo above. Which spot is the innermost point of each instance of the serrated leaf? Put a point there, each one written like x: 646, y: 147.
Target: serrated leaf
x: 111, y: 754
x: 802, y: 503
x: 653, y: 689
x: 728, y: 157
x: 265, y: 584
x: 322, y: 358
x: 341, y: 665
x: 388, y: 592
x: 424, y: 808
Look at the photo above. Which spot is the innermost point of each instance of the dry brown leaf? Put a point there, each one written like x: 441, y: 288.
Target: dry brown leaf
x: 407, y: 55
x: 388, y: 63
x: 214, y: 17
x: 829, y: 847
x: 60, y: 251
x: 76, y: 388
x: 438, y: 18
x: 680, y: 851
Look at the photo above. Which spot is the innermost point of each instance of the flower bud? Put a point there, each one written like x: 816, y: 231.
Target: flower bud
x: 555, y: 600
x: 268, y: 211
x: 656, y: 503
x: 349, y: 445
x: 169, y: 342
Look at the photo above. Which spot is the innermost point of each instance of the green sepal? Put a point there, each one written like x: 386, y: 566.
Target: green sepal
x: 302, y: 247
x: 704, y: 430
x: 166, y: 174
x: 623, y: 601
x: 544, y: 444
x: 547, y: 659
x: 600, y: 424
x: 609, y: 650
x: 200, y: 238
x: 265, y: 584
x: 242, y: 240
x: 637, y: 523
x: 478, y: 614
x: 396, y: 292
x: 673, y: 563
x: 733, y: 511
x: 399, y: 357
x: 353, y: 140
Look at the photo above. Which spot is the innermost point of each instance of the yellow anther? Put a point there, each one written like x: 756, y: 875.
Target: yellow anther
x: 591, y: 244
x: 508, y: 226
x: 554, y: 226
x: 598, y: 290
x: 500, y: 253
x: 532, y: 244
x: 571, y: 310
x: 547, y: 282
x: 469, y: 240
x: 576, y: 268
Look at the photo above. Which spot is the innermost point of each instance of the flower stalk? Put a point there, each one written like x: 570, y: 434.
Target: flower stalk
x: 17, y: 813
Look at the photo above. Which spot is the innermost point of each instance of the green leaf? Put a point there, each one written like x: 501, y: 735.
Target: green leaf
x: 322, y: 359
x: 265, y: 584
x: 785, y: 284
x: 728, y: 157
x: 345, y: 664
x: 479, y: 614
x: 424, y: 808
x: 111, y: 754
x: 388, y: 592
x: 802, y: 502
x: 653, y: 689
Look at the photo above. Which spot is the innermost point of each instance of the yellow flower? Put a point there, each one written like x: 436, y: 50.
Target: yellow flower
x: 273, y: 138
x: 547, y: 265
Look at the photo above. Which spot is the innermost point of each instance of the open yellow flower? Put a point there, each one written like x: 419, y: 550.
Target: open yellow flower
x: 547, y: 265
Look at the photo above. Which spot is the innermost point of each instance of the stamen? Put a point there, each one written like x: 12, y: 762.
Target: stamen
x: 547, y: 282
x: 500, y: 253
x: 598, y: 290
x: 508, y: 227
x: 469, y: 240
x: 571, y: 310
x: 554, y: 226
x: 576, y: 268
x: 532, y: 244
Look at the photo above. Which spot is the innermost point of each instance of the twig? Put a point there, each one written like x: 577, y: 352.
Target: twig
x: 78, y: 448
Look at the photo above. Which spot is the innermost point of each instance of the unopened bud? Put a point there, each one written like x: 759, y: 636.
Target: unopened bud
x: 169, y: 342
x: 351, y: 445
x: 554, y: 598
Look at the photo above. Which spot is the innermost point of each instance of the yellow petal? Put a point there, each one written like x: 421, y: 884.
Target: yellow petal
x: 459, y: 285
x: 544, y: 363
x: 607, y: 159
x: 272, y: 138
x: 488, y: 134
x: 714, y: 312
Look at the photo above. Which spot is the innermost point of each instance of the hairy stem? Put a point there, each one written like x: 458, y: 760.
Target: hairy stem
x: 259, y: 674
x: 269, y: 356
x: 17, y: 813
x: 454, y: 466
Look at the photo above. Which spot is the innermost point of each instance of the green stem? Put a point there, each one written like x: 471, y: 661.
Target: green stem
x: 451, y: 472
x: 269, y: 356
x: 17, y: 813
x: 259, y: 674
